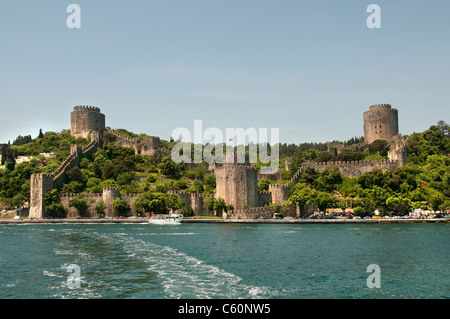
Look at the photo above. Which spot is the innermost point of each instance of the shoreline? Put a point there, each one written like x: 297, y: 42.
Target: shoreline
x: 235, y: 221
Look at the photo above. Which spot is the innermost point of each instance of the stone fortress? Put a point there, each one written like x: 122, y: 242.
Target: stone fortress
x: 236, y: 183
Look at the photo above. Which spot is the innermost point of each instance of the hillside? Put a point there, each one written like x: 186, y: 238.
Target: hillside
x: 424, y: 180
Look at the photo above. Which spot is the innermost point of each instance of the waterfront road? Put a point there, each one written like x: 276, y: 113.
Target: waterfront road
x: 217, y: 220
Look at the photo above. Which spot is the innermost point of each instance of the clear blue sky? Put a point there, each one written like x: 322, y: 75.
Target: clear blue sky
x: 310, y: 68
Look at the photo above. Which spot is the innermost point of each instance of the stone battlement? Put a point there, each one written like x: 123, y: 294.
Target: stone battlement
x: 111, y: 189
x: 183, y: 192
x: 236, y: 166
x: 81, y: 108
x: 147, y: 138
x: 348, y: 163
x: 88, y: 195
x: 349, y: 168
x: 149, y: 145
x: 375, y: 106
x: 278, y: 186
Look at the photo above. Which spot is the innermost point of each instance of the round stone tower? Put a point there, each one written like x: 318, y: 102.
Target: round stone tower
x: 85, y: 119
x: 380, y: 123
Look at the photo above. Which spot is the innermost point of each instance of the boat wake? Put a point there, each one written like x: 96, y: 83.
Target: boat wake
x: 184, y: 276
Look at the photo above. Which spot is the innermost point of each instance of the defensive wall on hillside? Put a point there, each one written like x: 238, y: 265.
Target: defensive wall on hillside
x: 148, y: 145
x: 41, y: 183
x: 193, y: 201
x: 349, y: 168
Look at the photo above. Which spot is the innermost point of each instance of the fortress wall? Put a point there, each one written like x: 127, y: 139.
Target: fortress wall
x: 92, y: 147
x: 353, y: 168
x: 72, y: 212
x: 274, y: 177
x: 195, y: 201
x: 149, y: 145
x: 129, y: 198
x: 290, y: 210
x: 251, y: 213
x: 42, y: 185
x: 265, y: 198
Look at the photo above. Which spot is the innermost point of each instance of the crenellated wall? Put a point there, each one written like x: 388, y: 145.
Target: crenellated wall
x: 149, y: 145
x: 43, y: 183
x: 265, y: 198
x: 349, y: 168
x: 353, y: 168
x: 72, y: 212
x: 194, y: 201
x: 264, y: 212
x: 108, y: 195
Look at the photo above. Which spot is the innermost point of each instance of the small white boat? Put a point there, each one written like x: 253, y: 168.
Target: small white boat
x: 166, y: 219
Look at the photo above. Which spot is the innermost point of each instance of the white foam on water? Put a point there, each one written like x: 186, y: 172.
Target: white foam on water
x: 178, y: 274
x: 51, y: 274
x: 167, y: 234
x: 184, y: 276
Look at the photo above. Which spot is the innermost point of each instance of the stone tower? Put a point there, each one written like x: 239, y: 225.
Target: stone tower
x: 280, y: 193
x: 85, y: 119
x: 109, y: 195
x: 237, y: 183
x: 380, y: 123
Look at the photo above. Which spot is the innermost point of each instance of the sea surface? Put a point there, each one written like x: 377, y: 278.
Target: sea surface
x: 231, y: 261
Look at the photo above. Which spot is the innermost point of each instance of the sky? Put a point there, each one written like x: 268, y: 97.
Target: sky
x: 309, y: 68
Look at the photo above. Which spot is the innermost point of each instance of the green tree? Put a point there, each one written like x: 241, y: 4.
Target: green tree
x: 55, y: 210
x: 100, y: 208
x: 210, y: 183
x: 74, y: 174
x: 120, y: 206
x: 169, y: 168
x: 380, y: 146
x: 398, y: 205
x: 80, y: 204
x: 264, y: 183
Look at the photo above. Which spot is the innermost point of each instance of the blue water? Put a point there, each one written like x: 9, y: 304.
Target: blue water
x: 224, y: 260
